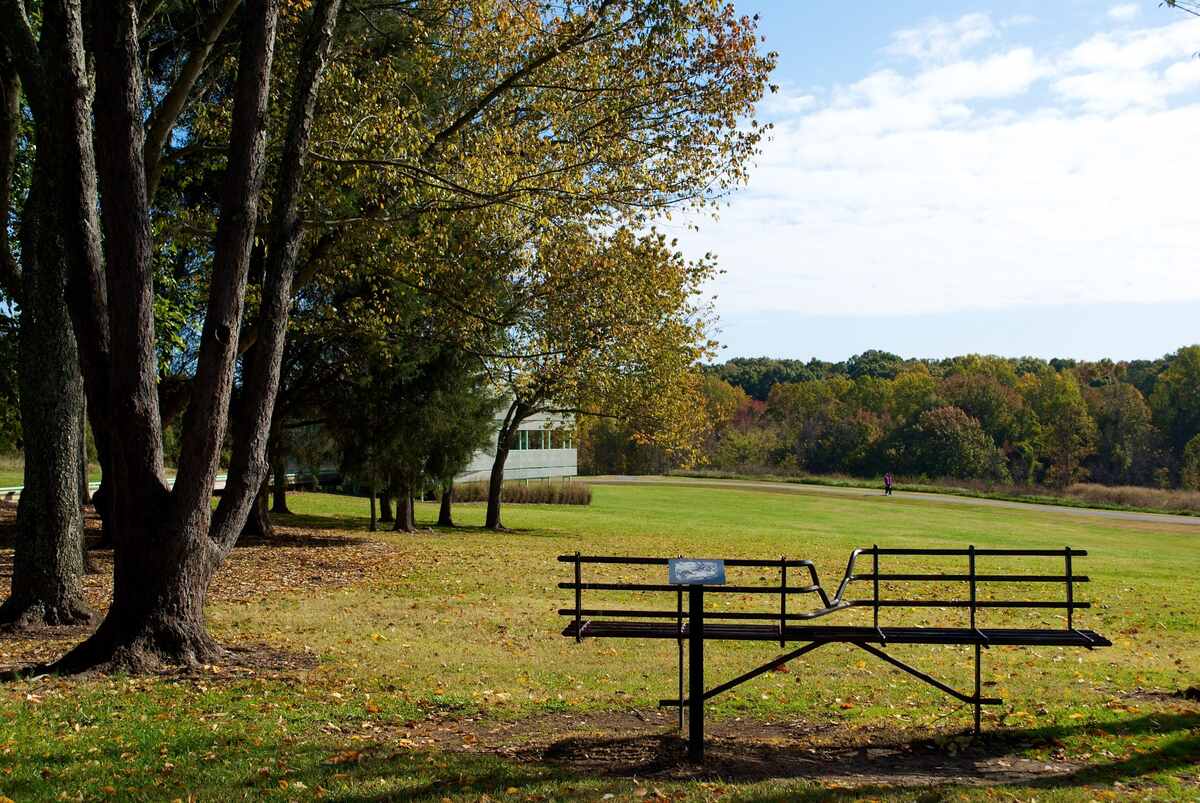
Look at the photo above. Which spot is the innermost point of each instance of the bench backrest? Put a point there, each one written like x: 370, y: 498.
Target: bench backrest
x: 779, y: 613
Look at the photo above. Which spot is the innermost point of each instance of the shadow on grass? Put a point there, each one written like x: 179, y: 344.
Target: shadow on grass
x: 874, y: 770
x: 885, y: 762
x: 884, y: 766
x: 361, y: 524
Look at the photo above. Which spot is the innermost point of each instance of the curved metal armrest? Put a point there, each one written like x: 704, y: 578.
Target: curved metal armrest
x: 837, y: 605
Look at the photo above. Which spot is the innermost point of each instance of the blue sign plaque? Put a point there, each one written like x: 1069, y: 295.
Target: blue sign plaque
x: 696, y: 572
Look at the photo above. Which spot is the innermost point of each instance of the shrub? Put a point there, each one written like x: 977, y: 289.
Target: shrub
x: 1189, y: 473
x: 533, y: 492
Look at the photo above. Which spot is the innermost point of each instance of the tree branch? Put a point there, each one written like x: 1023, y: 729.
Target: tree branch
x: 260, y: 385
x: 162, y: 120
x: 17, y: 33
x: 10, y: 122
x: 516, y: 75
x: 206, y: 417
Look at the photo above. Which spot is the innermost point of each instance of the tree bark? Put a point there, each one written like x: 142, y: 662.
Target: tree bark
x: 258, y: 523
x: 164, y: 555
x: 168, y: 543
x: 404, y: 509
x: 279, y: 486
x: 371, y: 526
x: 505, y: 440
x: 47, y: 578
x: 48, y: 560
x: 385, y: 507
x: 85, y: 488
x: 445, y: 519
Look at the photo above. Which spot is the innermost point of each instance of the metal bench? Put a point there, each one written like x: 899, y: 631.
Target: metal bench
x: 786, y: 625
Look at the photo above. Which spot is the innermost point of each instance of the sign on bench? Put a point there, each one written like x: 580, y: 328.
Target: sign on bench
x: 696, y: 625
x: 695, y: 572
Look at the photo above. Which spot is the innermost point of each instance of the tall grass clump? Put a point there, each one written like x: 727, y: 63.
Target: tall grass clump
x: 534, y: 492
x: 1136, y: 496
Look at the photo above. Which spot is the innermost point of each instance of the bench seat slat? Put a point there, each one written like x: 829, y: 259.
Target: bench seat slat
x: 1029, y: 637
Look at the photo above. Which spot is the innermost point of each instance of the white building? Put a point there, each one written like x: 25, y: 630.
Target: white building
x: 545, y: 448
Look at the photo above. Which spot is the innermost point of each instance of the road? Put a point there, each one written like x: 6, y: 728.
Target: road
x: 829, y: 490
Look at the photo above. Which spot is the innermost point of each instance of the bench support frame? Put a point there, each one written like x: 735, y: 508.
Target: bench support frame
x: 873, y: 640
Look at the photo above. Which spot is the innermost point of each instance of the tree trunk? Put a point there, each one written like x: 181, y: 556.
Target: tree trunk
x: 444, y: 517
x: 385, y: 507
x: 102, y: 502
x: 47, y: 578
x: 495, y: 484
x: 85, y: 490
x: 404, y: 509
x: 157, y: 612
x: 169, y: 542
x: 165, y: 547
x: 258, y: 523
x: 371, y: 493
x: 279, y: 487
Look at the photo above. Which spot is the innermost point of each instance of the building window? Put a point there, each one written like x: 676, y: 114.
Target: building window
x: 536, y: 438
x: 523, y: 439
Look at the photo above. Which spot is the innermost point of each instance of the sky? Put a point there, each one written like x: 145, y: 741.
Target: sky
x: 945, y: 178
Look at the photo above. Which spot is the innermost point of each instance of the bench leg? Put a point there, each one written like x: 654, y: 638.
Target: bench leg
x: 978, y: 688
x: 695, y: 675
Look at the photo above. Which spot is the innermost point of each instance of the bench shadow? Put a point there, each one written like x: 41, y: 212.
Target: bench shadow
x: 886, y: 761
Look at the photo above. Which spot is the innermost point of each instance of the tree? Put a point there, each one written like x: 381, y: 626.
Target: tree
x: 946, y: 442
x: 806, y: 413
x: 460, y: 421
x: 1176, y: 398
x: 169, y: 542
x: 874, y: 363
x: 1066, y: 433
x: 1126, y: 438
x: 608, y: 326
x: 757, y: 375
x: 996, y: 405
x: 912, y: 393
x: 47, y: 570
x: 1190, y: 471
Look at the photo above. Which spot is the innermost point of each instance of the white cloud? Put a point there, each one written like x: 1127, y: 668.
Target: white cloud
x: 1124, y: 12
x: 936, y: 40
x: 1009, y: 178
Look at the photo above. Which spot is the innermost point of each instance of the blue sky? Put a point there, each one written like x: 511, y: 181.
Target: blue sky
x: 947, y: 177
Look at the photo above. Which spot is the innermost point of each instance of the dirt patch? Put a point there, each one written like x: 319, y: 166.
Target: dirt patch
x: 293, y: 561
x: 650, y: 747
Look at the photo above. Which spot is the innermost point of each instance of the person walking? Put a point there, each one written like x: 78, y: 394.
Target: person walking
x: 887, y: 484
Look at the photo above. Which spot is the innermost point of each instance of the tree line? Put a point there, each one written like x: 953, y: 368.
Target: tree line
x: 231, y: 230
x: 1024, y: 421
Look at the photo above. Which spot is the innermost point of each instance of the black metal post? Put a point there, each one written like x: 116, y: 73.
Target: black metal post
x: 1070, y: 593
x: 679, y: 643
x: 696, y: 674
x: 978, y: 688
x: 782, y: 596
x: 971, y: 561
x: 578, y: 598
x: 978, y: 646
x: 875, y: 585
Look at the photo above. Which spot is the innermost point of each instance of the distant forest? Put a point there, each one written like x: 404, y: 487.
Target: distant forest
x: 1023, y: 420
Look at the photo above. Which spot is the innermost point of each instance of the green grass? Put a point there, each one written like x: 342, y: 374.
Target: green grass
x: 1174, y: 502
x: 462, y: 626
x: 12, y: 473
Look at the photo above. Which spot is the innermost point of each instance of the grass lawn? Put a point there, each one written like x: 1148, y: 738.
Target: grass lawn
x: 429, y: 666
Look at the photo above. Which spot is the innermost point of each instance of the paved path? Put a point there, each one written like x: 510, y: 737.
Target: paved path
x: 13, y: 494
x: 831, y: 490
